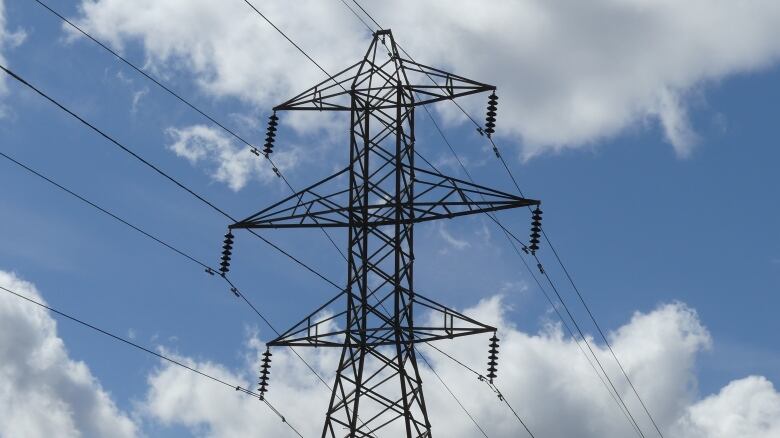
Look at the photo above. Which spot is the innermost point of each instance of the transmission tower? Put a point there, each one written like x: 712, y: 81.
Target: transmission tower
x: 378, y: 197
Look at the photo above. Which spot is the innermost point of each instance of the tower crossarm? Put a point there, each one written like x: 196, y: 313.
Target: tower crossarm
x: 377, y: 81
x: 437, y: 197
x: 319, y: 329
x: 433, y: 85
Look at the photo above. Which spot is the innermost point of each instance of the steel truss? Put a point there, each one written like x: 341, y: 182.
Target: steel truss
x: 378, y: 386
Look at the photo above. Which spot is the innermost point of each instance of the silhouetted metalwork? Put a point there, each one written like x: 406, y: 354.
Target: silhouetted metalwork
x: 227, y: 250
x: 536, y: 228
x: 273, y: 121
x: 490, y: 119
x: 493, y: 358
x: 265, y: 370
x: 377, y: 385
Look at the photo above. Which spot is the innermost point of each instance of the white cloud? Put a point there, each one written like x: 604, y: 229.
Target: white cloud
x: 573, y: 73
x: 230, y: 163
x: 570, y: 73
x: 746, y: 408
x: 228, y: 48
x: 207, y: 409
x: 543, y: 374
x: 43, y: 392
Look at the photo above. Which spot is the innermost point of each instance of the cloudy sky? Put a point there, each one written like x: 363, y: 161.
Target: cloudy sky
x: 646, y: 127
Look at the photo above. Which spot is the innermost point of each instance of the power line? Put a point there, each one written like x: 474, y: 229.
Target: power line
x: 185, y: 101
x: 576, y: 325
x: 517, y: 186
x: 487, y: 381
x: 154, y: 353
x: 103, y: 210
x: 601, y: 332
x: 290, y: 40
x: 178, y: 251
x: 211, y: 119
x: 154, y: 80
x: 357, y: 15
x: 614, y: 395
x: 124, y: 148
x: 511, y: 175
x: 509, y: 236
x: 210, y: 269
x: 555, y: 307
x: 111, y: 139
x: 161, y: 172
x: 368, y: 15
x: 471, y: 417
x: 15, y: 76
x: 491, y: 216
x: 514, y: 180
x: 339, y: 84
x: 612, y: 392
x: 169, y: 90
x: 500, y: 156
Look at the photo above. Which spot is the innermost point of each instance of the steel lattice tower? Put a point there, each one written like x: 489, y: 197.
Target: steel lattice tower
x: 377, y: 386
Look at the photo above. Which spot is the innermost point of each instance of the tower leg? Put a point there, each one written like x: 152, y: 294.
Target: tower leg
x: 377, y: 373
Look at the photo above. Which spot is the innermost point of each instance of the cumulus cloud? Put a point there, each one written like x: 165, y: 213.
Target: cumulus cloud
x: 208, y: 410
x: 43, y: 392
x: 229, y: 163
x: 226, y: 46
x: 543, y: 375
x: 570, y: 73
x: 749, y: 407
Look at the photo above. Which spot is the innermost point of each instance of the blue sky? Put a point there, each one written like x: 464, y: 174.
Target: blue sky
x: 638, y: 223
